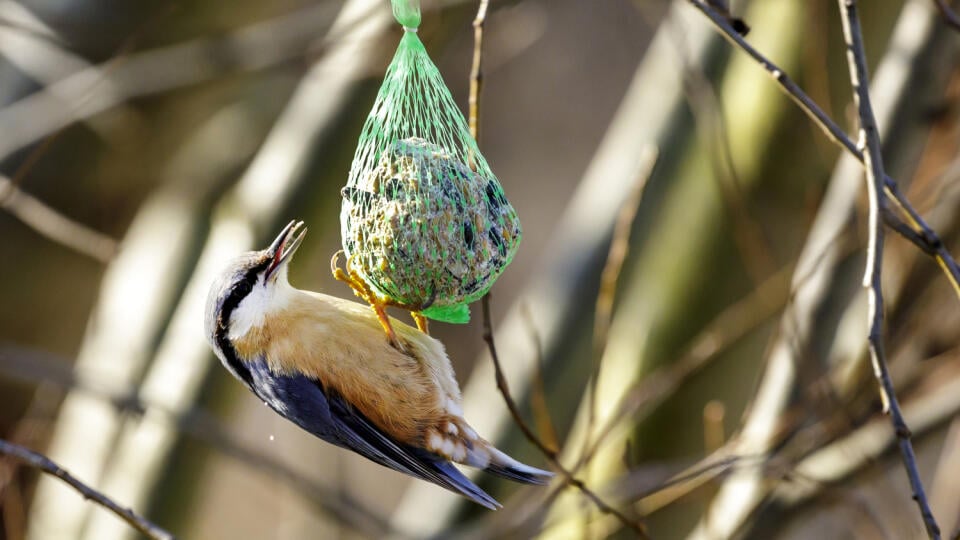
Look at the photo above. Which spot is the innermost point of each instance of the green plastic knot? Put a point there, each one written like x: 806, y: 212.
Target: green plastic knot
x: 407, y: 13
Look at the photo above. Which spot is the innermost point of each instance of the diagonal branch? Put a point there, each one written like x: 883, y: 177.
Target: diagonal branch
x: 476, y: 78
x: 43, y: 463
x: 869, y: 141
x: 22, y: 365
x: 550, y: 453
x: 54, y: 225
x: 476, y: 70
x: 926, y: 239
x: 609, y: 280
x: 949, y: 16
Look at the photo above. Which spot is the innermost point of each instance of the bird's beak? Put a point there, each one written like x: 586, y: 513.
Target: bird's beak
x: 285, y: 245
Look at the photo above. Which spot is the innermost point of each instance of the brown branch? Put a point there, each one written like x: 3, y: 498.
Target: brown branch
x: 43, y: 463
x: 926, y: 239
x: 729, y: 326
x: 120, y: 79
x: 52, y: 224
x: 609, y: 278
x: 650, y: 498
x: 869, y: 141
x: 476, y: 70
x: 476, y: 78
x: 551, y: 454
x: 39, y: 367
x: 737, y: 24
x: 831, y: 456
x: 538, y: 387
x: 949, y: 16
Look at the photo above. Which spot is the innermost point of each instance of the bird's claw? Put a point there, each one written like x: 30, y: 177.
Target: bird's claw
x: 421, y: 322
x: 363, y: 291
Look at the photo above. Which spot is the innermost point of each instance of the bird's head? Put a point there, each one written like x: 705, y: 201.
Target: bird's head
x: 251, y: 286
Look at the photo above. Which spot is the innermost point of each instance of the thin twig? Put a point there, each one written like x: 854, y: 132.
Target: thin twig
x: 706, y: 105
x: 926, y: 238
x: 671, y: 489
x: 36, y: 367
x: 98, y: 88
x: 728, y: 327
x: 949, y: 16
x: 930, y: 240
x: 945, y: 491
x: 43, y: 463
x: 476, y: 78
x: 609, y: 278
x: 906, y: 231
x: 869, y: 141
x: 724, y: 8
x: 538, y: 388
x: 551, y: 454
x: 476, y: 70
x: 52, y: 224
x: 831, y: 457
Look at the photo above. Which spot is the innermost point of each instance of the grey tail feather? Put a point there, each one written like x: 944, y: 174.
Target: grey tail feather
x: 519, y: 472
x: 461, y: 484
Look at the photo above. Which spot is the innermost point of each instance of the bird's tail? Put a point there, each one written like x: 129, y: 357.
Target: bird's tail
x: 455, y: 481
x: 505, y: 466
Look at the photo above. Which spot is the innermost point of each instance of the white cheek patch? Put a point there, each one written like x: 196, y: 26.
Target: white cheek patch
x: 253, y: 309
x: 249, y: 313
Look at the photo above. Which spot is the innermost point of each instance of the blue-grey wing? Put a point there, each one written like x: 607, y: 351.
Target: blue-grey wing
x: 304, y: 401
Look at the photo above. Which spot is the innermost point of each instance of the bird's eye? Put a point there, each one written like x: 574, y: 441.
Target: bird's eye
x: 244, y: 287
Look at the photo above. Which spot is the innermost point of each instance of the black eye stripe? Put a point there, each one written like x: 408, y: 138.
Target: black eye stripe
x: 240, y: 290
x: 243, y: 288
x: 237, y: 294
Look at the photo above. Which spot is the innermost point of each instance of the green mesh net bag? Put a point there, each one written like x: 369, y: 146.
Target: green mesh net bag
x: 424, y: 221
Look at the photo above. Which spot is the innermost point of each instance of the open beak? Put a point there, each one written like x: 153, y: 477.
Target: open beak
x: 285, y: 245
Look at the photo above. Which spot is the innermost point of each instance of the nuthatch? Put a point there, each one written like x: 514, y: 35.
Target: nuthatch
x: 325, y: 364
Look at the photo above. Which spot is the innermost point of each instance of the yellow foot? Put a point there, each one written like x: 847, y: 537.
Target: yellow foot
x: 365, y: 293
x: 421, y: 322
x: 378, y: 303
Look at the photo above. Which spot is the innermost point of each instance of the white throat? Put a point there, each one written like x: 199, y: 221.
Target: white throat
x: 264, y: 298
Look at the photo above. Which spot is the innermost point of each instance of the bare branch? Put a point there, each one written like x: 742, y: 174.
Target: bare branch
x: 870, y: 143
x: 538, y: 390
x: 945, y: 491
x: 101, y: 87
x: 40, y: 367
x: 476, y: 70
x: 43, y: 463
x: 859, y: 449
x: 167, y: 359
x: 949, y: 16
x: 551, y: 454
x: 926, y: 238
x: 54, y: 225
x: 723, y: 7
x: 609, y: 278
x: 476, y: 78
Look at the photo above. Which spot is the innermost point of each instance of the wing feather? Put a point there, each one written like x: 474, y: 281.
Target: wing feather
x: 304, y: 401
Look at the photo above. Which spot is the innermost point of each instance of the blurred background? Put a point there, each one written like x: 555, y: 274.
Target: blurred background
x: 715, y: 386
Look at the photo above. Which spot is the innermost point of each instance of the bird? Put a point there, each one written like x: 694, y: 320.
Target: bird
x: 324, y: 363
